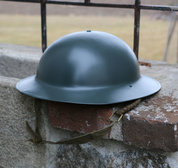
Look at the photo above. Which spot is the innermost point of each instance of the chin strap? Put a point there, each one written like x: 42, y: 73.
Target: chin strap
x: 95, y: 135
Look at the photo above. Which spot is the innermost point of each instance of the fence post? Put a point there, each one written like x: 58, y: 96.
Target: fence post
x: 136, y: 27
x: 43, y: 25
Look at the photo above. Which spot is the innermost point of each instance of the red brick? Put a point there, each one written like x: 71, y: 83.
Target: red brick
x: 155, y: 127
x: 80, y: 118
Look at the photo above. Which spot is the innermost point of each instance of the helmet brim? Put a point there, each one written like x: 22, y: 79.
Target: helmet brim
x: 143, y: 87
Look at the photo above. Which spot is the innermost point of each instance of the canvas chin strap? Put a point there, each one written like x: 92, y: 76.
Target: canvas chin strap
x: 95, y: 135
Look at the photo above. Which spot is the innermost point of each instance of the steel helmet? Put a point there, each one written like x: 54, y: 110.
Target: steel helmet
x: 88, y: 67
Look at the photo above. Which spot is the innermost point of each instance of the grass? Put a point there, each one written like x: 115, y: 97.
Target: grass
x: 26, y: 30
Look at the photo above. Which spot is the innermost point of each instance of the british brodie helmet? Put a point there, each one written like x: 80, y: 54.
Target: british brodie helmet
x: 88, y: 67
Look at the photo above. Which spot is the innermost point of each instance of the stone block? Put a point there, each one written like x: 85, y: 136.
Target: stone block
x: 18, y: 61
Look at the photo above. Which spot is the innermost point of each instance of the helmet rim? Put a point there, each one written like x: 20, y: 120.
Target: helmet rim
x: 95, y: 96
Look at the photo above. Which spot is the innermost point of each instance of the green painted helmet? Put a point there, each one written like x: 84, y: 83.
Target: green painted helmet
x: 88, y: 67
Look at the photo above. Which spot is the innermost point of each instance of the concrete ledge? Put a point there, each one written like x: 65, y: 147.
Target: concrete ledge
x: 17, y: 152
x: 18, y: 61
x: 15, y: 109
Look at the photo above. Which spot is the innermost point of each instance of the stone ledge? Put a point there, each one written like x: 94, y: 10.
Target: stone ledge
x: 18, y: 61
x: 20, y: 51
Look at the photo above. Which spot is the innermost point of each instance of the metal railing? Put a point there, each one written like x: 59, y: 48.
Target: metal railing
x: 137, y: 6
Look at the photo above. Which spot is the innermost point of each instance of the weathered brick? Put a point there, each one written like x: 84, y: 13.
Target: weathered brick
x: 80, y: 118
x: 153, y: 124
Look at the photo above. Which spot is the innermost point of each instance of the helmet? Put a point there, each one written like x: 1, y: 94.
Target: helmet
x: 88, y: 67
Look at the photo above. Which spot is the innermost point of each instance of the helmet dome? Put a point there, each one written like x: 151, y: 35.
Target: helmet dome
x: 88, y: 67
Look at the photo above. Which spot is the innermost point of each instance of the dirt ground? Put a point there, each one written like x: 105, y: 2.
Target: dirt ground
x: 34, y: 8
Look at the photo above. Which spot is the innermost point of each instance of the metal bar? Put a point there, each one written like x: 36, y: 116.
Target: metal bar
x: 43, y: 25
x: 35, y: 1
x: 177, y: 43
x: 87, y: 1
x: 170, y: 33
x: 158, y: 7
x: 136, y: 27
x: 90, y: 4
